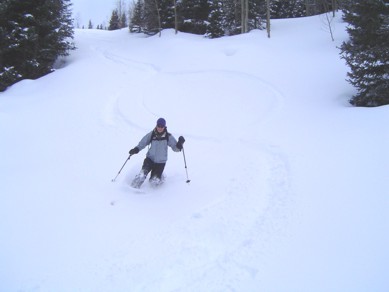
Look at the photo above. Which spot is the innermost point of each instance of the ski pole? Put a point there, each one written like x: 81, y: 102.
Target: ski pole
x: 121, y: 168
x: 186, y: 168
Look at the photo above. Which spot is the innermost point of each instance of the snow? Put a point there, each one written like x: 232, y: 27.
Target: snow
x: 289, y: 183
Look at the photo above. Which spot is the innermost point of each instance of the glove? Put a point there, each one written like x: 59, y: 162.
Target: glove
x: 134, y: 151
x: 180, y: 142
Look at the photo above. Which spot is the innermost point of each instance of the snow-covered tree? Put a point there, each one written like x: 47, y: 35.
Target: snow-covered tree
x: 33, y: 35
x: 215, y: 27
x: 232, y: 16
x: 194, y: 16
x: 287, y: 9
x: 166, y: 11
x: 367, y: 51
x: 152, y: 21
x: 137, y: 21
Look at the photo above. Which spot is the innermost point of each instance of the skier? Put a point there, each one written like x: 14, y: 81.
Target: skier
x: 159, y: 139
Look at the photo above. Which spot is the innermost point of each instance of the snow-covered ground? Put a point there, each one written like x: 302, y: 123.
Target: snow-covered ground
x: 289, y: 183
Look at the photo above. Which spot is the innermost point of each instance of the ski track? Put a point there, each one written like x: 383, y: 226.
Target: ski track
x: 211, y: 243
x: 214, y: 243
x: 206, y: 241
x: 148, y: 103
x: 142, y: 99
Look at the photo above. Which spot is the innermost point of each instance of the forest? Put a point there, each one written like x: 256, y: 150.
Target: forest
x: 34, y: 35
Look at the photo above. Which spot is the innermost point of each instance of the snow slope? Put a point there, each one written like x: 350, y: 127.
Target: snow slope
x: 289, y: 184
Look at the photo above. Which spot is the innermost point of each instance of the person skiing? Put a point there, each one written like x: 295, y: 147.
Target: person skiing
x: 159, y: 139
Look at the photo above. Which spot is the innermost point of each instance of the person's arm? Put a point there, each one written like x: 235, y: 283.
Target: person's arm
x: 142, y: 144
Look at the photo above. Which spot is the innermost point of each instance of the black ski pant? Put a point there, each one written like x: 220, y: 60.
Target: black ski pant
x: 155, y: 168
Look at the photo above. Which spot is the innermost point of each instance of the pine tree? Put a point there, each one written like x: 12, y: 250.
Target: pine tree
x: 257, y: 14
x: 232, y: 17
x: 166, y: 10
x: 121, y: 12
x: 215, y: 25
x: 123, y: 20
x: 114, y: 22
x: 367, y: 51
x: 287, y: 9
x: 33, y: 35
x: 151, y: 17
x: 194, y: 16
x: 137, y: 19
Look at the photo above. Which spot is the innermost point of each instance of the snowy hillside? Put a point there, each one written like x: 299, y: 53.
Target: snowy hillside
x: 289, y: 183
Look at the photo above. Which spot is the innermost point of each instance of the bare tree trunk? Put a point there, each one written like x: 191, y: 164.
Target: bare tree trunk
x: 268, y: 18
x: 334, y: 7
x: 175, y: 16
x: 247, y: 15
x: 244, y: 15
x: 242, y: 20
x: 121, y: 7
x: 159, y: 18
x: 328, y: 18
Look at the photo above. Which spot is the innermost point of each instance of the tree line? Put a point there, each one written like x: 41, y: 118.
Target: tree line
x: 33, y: 34
x: 216, y: 18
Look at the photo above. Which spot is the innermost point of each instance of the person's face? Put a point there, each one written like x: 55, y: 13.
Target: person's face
x: 160, y: 128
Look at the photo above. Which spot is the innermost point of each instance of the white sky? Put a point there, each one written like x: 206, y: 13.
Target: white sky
x: 98, y: 11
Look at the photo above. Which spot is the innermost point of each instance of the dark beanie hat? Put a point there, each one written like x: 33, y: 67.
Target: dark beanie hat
x: 161, y: 122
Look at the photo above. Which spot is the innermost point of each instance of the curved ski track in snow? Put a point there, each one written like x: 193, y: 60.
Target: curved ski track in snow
x: 224, y: 242
x: 259, y: 213
x: 215, y: 234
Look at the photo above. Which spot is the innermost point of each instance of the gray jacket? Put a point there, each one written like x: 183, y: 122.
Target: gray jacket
x: 159, y: 143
